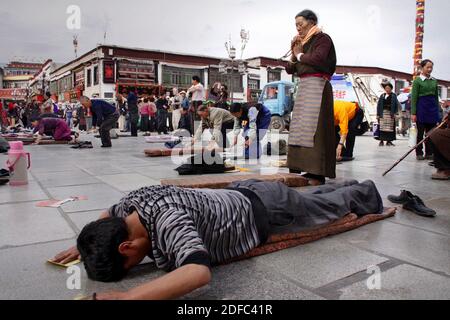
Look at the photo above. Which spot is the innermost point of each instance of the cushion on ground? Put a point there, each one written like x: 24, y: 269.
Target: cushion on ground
x: 220, y: 182
x: 52, y: 142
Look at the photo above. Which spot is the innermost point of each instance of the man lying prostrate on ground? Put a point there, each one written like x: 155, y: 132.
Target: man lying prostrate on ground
x: 186, y: 231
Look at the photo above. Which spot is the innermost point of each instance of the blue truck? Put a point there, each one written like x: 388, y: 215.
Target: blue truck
x: 278, y: 97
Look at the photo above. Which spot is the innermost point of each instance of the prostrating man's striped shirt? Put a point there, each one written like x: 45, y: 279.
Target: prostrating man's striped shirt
x: 187, y: 225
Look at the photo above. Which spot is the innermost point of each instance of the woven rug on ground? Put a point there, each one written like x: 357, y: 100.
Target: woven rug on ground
x: 290, y: 240
x: 52, y: 142
x: 220, y: 182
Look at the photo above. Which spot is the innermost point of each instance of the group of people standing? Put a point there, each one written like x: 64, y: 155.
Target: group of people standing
x: 23, y: 114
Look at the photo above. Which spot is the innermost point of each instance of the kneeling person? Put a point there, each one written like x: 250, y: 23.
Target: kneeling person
x: 54, y: 127
x: 218, y: 120
x: 186, y: 231
x: 255, y: 120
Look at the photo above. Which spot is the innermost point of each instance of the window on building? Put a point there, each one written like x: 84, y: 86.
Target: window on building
x: 180, y: 77
x: 274, y: 75
x: 226, y: 79
x: 95, y: 75
x: 89, y: 78
x: 253, y: 84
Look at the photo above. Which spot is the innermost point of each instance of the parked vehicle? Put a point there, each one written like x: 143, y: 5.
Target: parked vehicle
x: 278, y: 97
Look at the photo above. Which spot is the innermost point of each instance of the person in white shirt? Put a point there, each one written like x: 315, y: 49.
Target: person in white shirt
x: 198, y: 96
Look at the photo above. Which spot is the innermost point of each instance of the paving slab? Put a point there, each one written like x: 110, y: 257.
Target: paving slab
x: 30, y: 192
x: 65, y: 178
x: 128, y: 181
x: 81, y: 219
x: 24, y: 223
x: 404, y: 282
x: 419, y: 247
x: 100, y: 197
x: 321, y: 262
x: 249, y: 280
x: 25, y: 275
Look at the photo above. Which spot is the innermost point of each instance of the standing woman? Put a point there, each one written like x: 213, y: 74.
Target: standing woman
x: 312, y: 146
x: 425, y: 107
x: 386, y: 111
x: 12, y: 114
x: 144, y: 110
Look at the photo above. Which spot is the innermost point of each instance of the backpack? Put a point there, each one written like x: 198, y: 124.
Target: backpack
x: 196, y: 165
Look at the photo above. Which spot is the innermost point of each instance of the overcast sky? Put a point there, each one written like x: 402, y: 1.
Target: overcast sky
x: 366, y: 32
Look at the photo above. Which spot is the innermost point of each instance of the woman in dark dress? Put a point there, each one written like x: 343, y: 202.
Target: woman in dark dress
x: 386, y: 111
x: 312, y: 147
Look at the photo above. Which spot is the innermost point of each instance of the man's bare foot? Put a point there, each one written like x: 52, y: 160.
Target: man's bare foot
x: 441, y: 175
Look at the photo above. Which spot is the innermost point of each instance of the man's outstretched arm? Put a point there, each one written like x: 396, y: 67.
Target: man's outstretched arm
x: 72, y: 254
x: 171, y: 286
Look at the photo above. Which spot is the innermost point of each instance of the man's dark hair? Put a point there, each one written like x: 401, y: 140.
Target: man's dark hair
x: 425, y: 62
x: 48, y: 95
x: 308, y: 15
x: 236, y: 107
x: 98, y: 244
x: 202, y: 108
x: 145, y: 100
x: 196, y: 78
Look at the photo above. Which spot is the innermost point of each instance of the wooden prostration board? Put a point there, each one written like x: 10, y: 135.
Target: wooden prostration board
x: 220, y: 182
x: 165, y: 152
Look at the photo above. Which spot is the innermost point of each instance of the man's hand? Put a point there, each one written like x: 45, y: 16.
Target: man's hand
x: 414, y: 119
x: 339, y: 152
x: 296, y: 47
x: 212, y: 145
x: 113, y: 295
x: 235, y: 141
x: 38, y: 140
x: 67, y: 256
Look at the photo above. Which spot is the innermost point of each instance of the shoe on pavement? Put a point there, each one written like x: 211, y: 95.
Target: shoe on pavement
x: 109, y: 146
x: 429, y: 157
x: 403, y: 198
x: 420, y: 158
x: 381, y: 144
x: 346, y: 159
x: 417, y: 206
x: 390, y: 144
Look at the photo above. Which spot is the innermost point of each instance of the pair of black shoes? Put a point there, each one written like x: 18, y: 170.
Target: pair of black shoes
x: 412, y: 203
x: 4, y: 176
x: 83, y: 145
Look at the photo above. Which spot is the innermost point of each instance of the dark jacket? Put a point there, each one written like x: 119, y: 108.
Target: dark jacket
x: 319, y: 57
x: 394, y: 106
x: 100, y: 111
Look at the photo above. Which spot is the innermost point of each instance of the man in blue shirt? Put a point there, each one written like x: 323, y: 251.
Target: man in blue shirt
x: 104, y: 116
x: 255, y: 121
